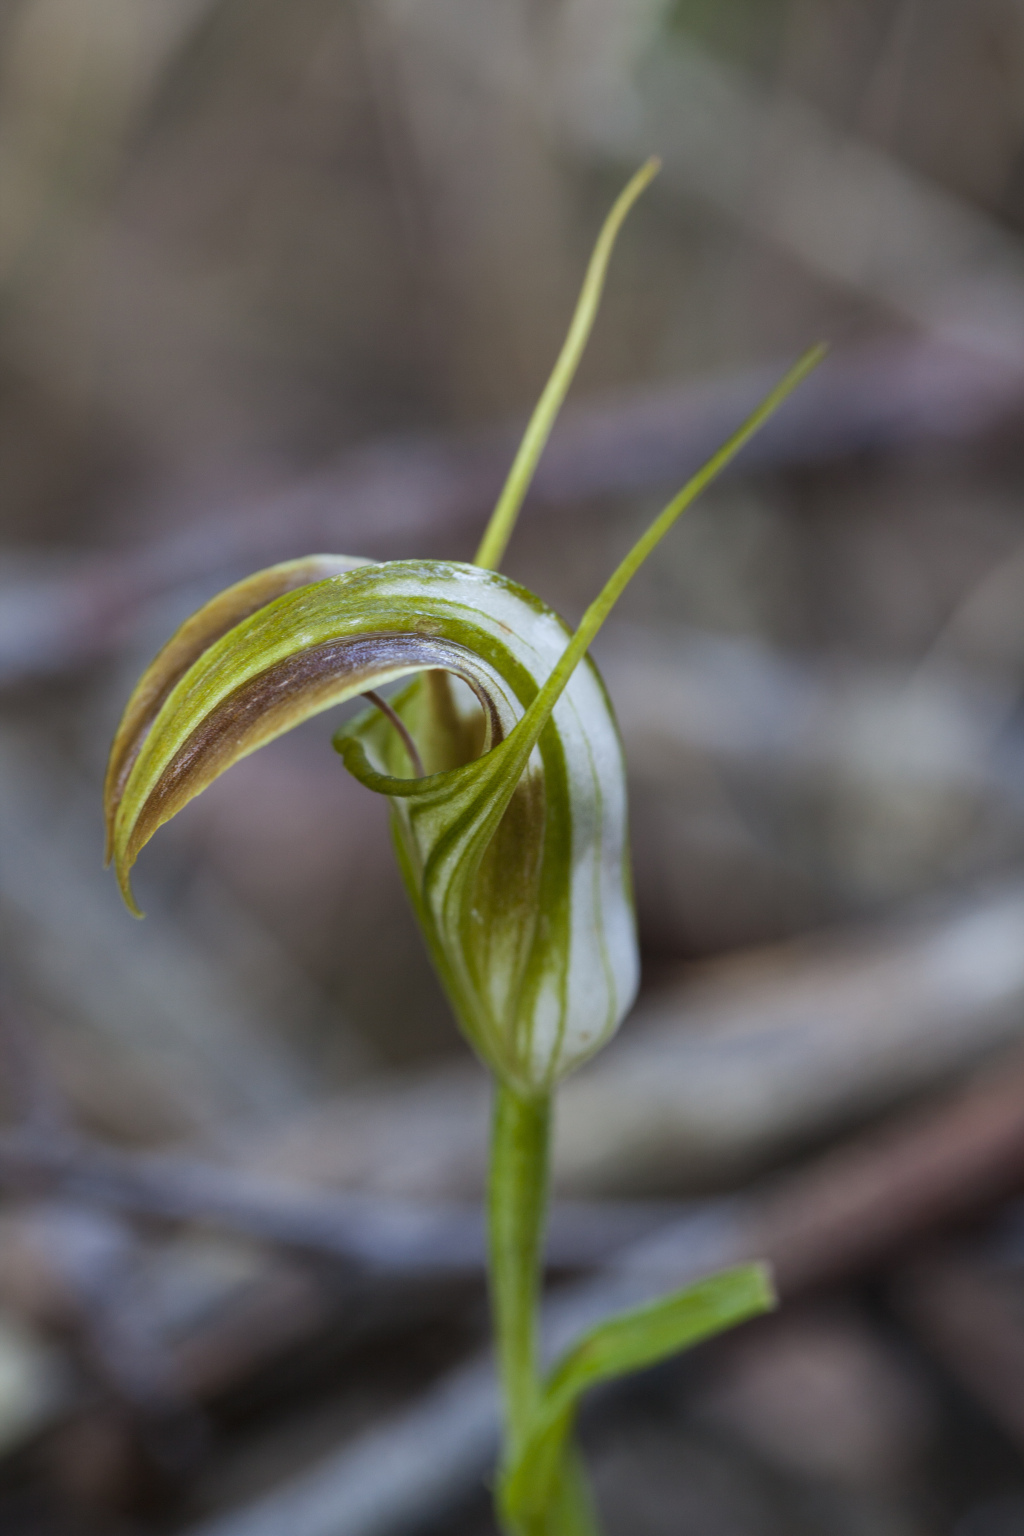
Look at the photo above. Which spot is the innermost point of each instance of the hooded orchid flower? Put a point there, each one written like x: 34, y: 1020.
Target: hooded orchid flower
x: 510, y: 818
x: 504, y: 769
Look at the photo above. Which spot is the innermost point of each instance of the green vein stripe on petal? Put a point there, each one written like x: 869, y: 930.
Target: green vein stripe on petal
x: 514, y: 849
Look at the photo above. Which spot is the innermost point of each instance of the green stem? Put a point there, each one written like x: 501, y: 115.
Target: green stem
x: 516, y: 1216
x: 517, y: 1211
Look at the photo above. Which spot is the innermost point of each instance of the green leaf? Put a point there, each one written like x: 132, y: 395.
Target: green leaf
x: 616, y: 1347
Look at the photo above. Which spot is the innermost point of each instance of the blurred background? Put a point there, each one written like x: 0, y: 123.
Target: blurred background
x: 279, y: 276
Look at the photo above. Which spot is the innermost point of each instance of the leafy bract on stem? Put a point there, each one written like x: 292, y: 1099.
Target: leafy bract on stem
x: 616, y: 1347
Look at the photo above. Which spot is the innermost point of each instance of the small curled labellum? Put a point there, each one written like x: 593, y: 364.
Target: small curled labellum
x: 412, y: 750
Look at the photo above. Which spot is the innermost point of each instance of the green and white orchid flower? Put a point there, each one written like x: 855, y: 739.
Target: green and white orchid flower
x: 510, y: 820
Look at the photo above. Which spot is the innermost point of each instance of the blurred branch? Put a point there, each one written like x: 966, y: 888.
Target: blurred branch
x: 390, y: 1479
x: 369, y: 1232
x: 396, y: 498
x: 791, y: 1044
x: 857, y: 1205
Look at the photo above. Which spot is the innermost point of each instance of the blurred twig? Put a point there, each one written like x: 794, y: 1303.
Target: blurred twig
x: 397, y: 498
x: 391, y: 1235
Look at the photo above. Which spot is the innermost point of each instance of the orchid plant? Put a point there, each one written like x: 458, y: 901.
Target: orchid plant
x: 504, y: 770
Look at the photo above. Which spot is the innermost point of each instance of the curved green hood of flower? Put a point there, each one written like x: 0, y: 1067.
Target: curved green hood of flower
x: 513, y: 843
